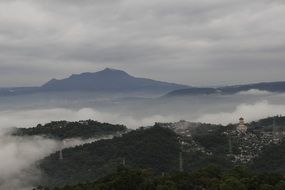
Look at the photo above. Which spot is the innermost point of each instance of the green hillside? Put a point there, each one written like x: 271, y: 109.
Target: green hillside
x: 156, y: 148
x: 208, y: 178
x: 65, y: 129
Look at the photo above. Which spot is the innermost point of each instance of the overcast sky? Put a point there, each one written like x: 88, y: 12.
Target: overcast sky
x: 195, y: 42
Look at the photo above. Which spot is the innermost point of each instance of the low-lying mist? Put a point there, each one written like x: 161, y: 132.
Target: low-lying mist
x: 19, y: 155
x: 252, y: 112
x: 30, y: 118
x: 138, y: 112
x: 17, y: 158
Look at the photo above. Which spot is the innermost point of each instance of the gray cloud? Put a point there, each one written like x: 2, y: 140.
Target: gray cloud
x: 192, y: 42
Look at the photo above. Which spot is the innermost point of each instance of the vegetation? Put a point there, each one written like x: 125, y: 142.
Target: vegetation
x: 210, y: 178
x: 271, y: 159
x: 64, y: 129
x: 156, y: 148
x: 213, y: 141
x: 267, y: 123
x: 153, y: 155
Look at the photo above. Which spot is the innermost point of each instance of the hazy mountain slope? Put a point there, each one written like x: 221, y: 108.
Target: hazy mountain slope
x: 109, y: 80
x: 118, y: 81
x: 105, y: 81
x: 192, y: 91
x: 278, y: 87
x: 269, y: 86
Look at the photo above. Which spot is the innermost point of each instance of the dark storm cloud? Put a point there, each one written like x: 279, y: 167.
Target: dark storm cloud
x: 188, y: 41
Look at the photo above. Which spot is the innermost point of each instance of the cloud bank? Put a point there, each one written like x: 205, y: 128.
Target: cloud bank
x: 260, y: 108
x: 250, y: 112
x: 30, y: 118
x: 255, y: 92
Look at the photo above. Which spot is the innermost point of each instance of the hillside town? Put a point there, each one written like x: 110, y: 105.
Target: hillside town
x: 244, y: 142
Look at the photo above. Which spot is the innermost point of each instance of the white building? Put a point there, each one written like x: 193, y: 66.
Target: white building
x: 241, y: 128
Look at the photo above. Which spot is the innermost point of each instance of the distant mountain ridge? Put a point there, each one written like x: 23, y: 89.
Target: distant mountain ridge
x: 118, y: 81
x: 109, y: 80
x: 274, y: 87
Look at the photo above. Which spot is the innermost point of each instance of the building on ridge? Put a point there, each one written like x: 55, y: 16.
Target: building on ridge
x: 241, y: 128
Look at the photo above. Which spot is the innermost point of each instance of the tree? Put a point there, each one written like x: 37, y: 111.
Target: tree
x: 266, y: 187
x: 232, y: 183
x: 168, y: 185
x: 280, y: 185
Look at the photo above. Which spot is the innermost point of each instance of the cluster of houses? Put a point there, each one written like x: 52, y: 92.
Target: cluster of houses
x: 243, y: 144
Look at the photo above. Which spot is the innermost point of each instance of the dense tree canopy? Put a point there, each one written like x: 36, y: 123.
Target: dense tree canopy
x: 209, y: 178
x: 156, y: 148
x: 65, y: 129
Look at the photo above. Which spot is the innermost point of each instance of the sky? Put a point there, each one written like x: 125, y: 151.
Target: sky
x: 194, y: 42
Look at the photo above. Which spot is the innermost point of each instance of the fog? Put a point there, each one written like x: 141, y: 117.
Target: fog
x: 252, y: 112
x: 255, y: 92
x: 26, y: 111
x: 19, y: 154
x: 30, y: 118
x: 18, y: 157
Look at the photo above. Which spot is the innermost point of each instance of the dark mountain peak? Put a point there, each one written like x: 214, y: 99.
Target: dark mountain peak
x: 111, y: 71
x: 107, y: 72
x: 109, y: 80
x: 52, y: 81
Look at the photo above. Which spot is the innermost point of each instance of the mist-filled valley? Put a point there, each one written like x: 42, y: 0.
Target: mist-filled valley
x: 29, y: 110
x: 19, y: 154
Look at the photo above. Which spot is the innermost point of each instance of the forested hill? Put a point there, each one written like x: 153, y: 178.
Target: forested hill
x: 158, y: 149
x: 155, y: 147
x: 65, y: 129
x: 208, y: 178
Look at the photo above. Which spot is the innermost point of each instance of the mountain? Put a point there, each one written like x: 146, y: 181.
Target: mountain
x: 105, y: 81
x: 192, y: 91
x: 118, y: 81
x: 158, y: 148
x: 109, y: 80
x: 274, y: 87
